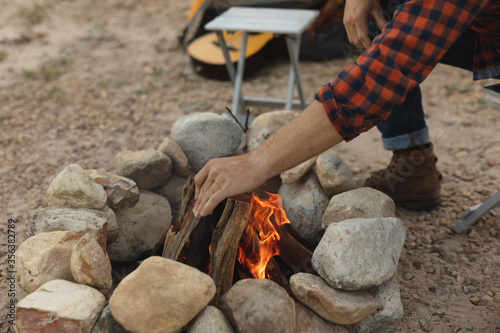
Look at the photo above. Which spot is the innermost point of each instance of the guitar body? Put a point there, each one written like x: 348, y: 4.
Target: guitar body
x: 208, y: 60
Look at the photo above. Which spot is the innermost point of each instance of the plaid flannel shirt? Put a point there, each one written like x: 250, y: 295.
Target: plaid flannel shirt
x: 402, y: 56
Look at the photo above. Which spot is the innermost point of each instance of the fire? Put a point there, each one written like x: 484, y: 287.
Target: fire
x: 260, y: 240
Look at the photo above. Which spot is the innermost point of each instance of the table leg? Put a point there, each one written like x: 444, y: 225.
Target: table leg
x: 237, y: 96
x: 293, y: 45
x: 225, y: 53
x: 233, y: 74
x: 472, y: 214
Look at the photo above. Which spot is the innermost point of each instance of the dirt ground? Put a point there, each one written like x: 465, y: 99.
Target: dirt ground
x: 82, y: 80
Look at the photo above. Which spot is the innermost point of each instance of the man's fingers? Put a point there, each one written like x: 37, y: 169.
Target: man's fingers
x: 362, y: 30
x: 352, y: 35
x: 205, y: 196
x: 213, y: 200
x: 378, y: 16
x: 199, y: 180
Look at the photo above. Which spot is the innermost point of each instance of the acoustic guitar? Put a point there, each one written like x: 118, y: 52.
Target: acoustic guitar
x: 208, y: 60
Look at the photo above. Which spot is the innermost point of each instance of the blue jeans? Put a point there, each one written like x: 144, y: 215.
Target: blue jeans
x: 405, y: 127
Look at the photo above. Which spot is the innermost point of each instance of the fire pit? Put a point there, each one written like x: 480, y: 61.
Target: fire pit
x: 240, y: 240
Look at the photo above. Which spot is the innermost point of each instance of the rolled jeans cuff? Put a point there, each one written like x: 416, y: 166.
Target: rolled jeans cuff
x: 405, y: 141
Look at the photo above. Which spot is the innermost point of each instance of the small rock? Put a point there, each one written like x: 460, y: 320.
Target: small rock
x: 121, y: 192
x: 267, y: 124
x: 474, y: 300
x: 90, y: 264
x: 304, y: 203
x: 408, y: 276
x: 307, y: 321
x: 172, y: 191
x: 181, y: 166
x: 157, y: 297
x: 206, y: 135
x: 73, y: 188
x: 337, y: 306
x: 140, y: 227
x: 344, y: 264
x: 59, y: 306
x: 492, y: 155
x: 389, y: 313
x: 149, y: 169
x: 294, y: 174
x: 210, y: 319
x: 362, y: 202
x: 45, y: 257
x: 108, y: 324
x: 81, y: 221
x: 334, y: 175
x: 259, y: 305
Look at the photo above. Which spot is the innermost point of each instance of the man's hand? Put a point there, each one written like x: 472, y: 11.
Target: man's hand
x: 357, y: 13
x: 225, y: 177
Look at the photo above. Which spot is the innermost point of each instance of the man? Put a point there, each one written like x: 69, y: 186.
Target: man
x: 373, y: 89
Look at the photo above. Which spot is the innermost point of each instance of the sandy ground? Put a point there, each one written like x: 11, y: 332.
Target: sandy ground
x: 81, y: 81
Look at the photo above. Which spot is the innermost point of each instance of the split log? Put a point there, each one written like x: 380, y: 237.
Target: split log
x: 294, y: 254
x: 225, y: 243
x: 179, y: 232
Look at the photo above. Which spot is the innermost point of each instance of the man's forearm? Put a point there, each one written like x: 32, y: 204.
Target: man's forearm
x: 306, y: 136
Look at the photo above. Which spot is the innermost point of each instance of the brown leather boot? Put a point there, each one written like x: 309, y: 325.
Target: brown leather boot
x: 411, y: 179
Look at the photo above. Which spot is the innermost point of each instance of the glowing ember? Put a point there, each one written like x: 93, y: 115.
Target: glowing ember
x: 255, y: 252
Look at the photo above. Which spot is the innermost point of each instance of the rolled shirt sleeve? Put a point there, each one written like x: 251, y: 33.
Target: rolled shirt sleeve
x: 399, y: 59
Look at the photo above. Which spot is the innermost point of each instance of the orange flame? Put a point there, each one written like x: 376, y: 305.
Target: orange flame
x: 255, y: 251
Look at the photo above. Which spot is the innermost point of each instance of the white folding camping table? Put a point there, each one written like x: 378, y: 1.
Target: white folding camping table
x: 288, y: 22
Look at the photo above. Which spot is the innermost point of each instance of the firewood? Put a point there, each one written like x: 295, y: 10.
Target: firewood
x: 224, y: 245
x: 180, y: 231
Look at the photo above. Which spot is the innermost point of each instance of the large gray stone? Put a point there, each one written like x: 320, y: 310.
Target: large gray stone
x: 359, y: 253
x: 267, y: 124
x: 90, y: 264
x: 74, y: 188
x: 121, y: 192
x: 334, y: 175
x: 161, y: 296
x: 181, y: 166
x: 364, y: 202
x: 307, y: 321
x: 140, y: 227
x: 45, y: 257
x: 337, y: 306
x: 210, y: 319
x: 389, y: 313
x: 149, y: 168
x: 205, y: 136
x: 304, y: 203
x: 259, y: 305
x: 81, y: 221
x: 59, y: 306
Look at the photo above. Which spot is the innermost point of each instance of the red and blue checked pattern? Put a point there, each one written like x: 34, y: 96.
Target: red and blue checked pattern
x: 402, y: 56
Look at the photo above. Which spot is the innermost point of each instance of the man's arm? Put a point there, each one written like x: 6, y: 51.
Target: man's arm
x: 306, y: 136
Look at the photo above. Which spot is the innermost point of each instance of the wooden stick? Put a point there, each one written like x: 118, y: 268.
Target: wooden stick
x: 180, y: 231
x: 224, y: 246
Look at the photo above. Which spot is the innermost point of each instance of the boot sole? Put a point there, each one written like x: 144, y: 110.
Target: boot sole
x: 427, y: 205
